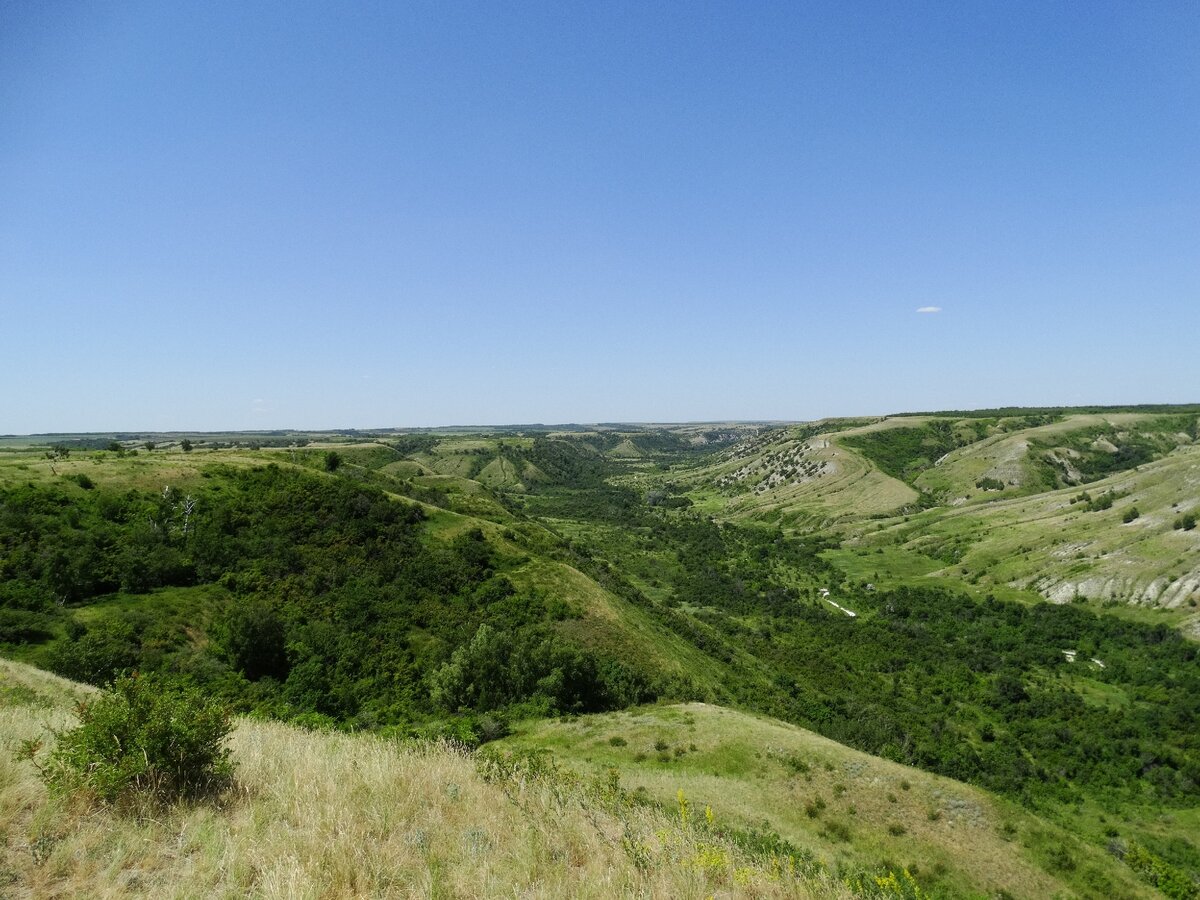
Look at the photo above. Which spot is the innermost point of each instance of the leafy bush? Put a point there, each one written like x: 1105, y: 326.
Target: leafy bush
x: 24, y: 626
x: 254, y: 639
x: 1154, y: 870
x: 143, y: 738
x: 96, y: 655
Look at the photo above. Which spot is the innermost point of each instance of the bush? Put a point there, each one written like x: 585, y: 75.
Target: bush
x: 143, y: 738
x: 255, y: 640
x: 333, y: 461
x: 19, y: 626
x: 96, y: 655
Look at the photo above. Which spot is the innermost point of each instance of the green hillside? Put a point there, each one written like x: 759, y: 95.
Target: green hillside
x: 853, y: 810
x: 867, y: 593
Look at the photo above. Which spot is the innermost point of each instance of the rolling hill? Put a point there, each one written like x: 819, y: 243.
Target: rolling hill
x: 825, y: 612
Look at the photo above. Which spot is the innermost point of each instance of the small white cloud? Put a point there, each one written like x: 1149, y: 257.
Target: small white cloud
x: 929, y: 309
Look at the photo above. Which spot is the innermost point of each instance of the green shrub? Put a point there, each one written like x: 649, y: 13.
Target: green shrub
x: 143, y: 738
x: 24, y: 626
x: 1153, y: 869
x: 837, y: 831
x: 617, y: 741
x: 797, y: 764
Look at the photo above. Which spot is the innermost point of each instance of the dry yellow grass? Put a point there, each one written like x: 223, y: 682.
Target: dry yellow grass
x: 337, y: 816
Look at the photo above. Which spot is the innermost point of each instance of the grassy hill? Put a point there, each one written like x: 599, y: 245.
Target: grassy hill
x: 986, y: 498
x: 1066, y: 544
x: 333, y: 815
x: 797, y: 476
x: 420, y: 562
x: 854, y: 810
x: 734, y: 805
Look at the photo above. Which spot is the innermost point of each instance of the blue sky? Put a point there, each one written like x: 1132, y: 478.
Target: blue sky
x: 258, y: 215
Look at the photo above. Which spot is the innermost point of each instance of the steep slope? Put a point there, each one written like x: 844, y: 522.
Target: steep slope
x: 799, y: 475
x: 1073, y: 450
x: 1072, y: 542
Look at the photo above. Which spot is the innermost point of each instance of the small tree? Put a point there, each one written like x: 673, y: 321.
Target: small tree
x: 144, y: 738
x: 57, y: 452
x: 332, y: 460
x: 185, y: 445
x: 255, y: 640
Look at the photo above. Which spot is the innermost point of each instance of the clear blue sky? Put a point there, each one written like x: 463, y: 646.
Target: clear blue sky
x: 249, y: 215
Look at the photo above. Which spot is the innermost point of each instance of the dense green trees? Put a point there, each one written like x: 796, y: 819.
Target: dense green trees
x: 327, y: 598
x: 496, y: 669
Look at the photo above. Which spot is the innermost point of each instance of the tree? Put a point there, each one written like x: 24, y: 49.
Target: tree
x: 57, y: 452
x: 255, y: 640
x: 185, y: 445
x: 332, y: 460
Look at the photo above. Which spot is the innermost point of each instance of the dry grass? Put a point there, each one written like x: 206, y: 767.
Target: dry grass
x: 330, y: 816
